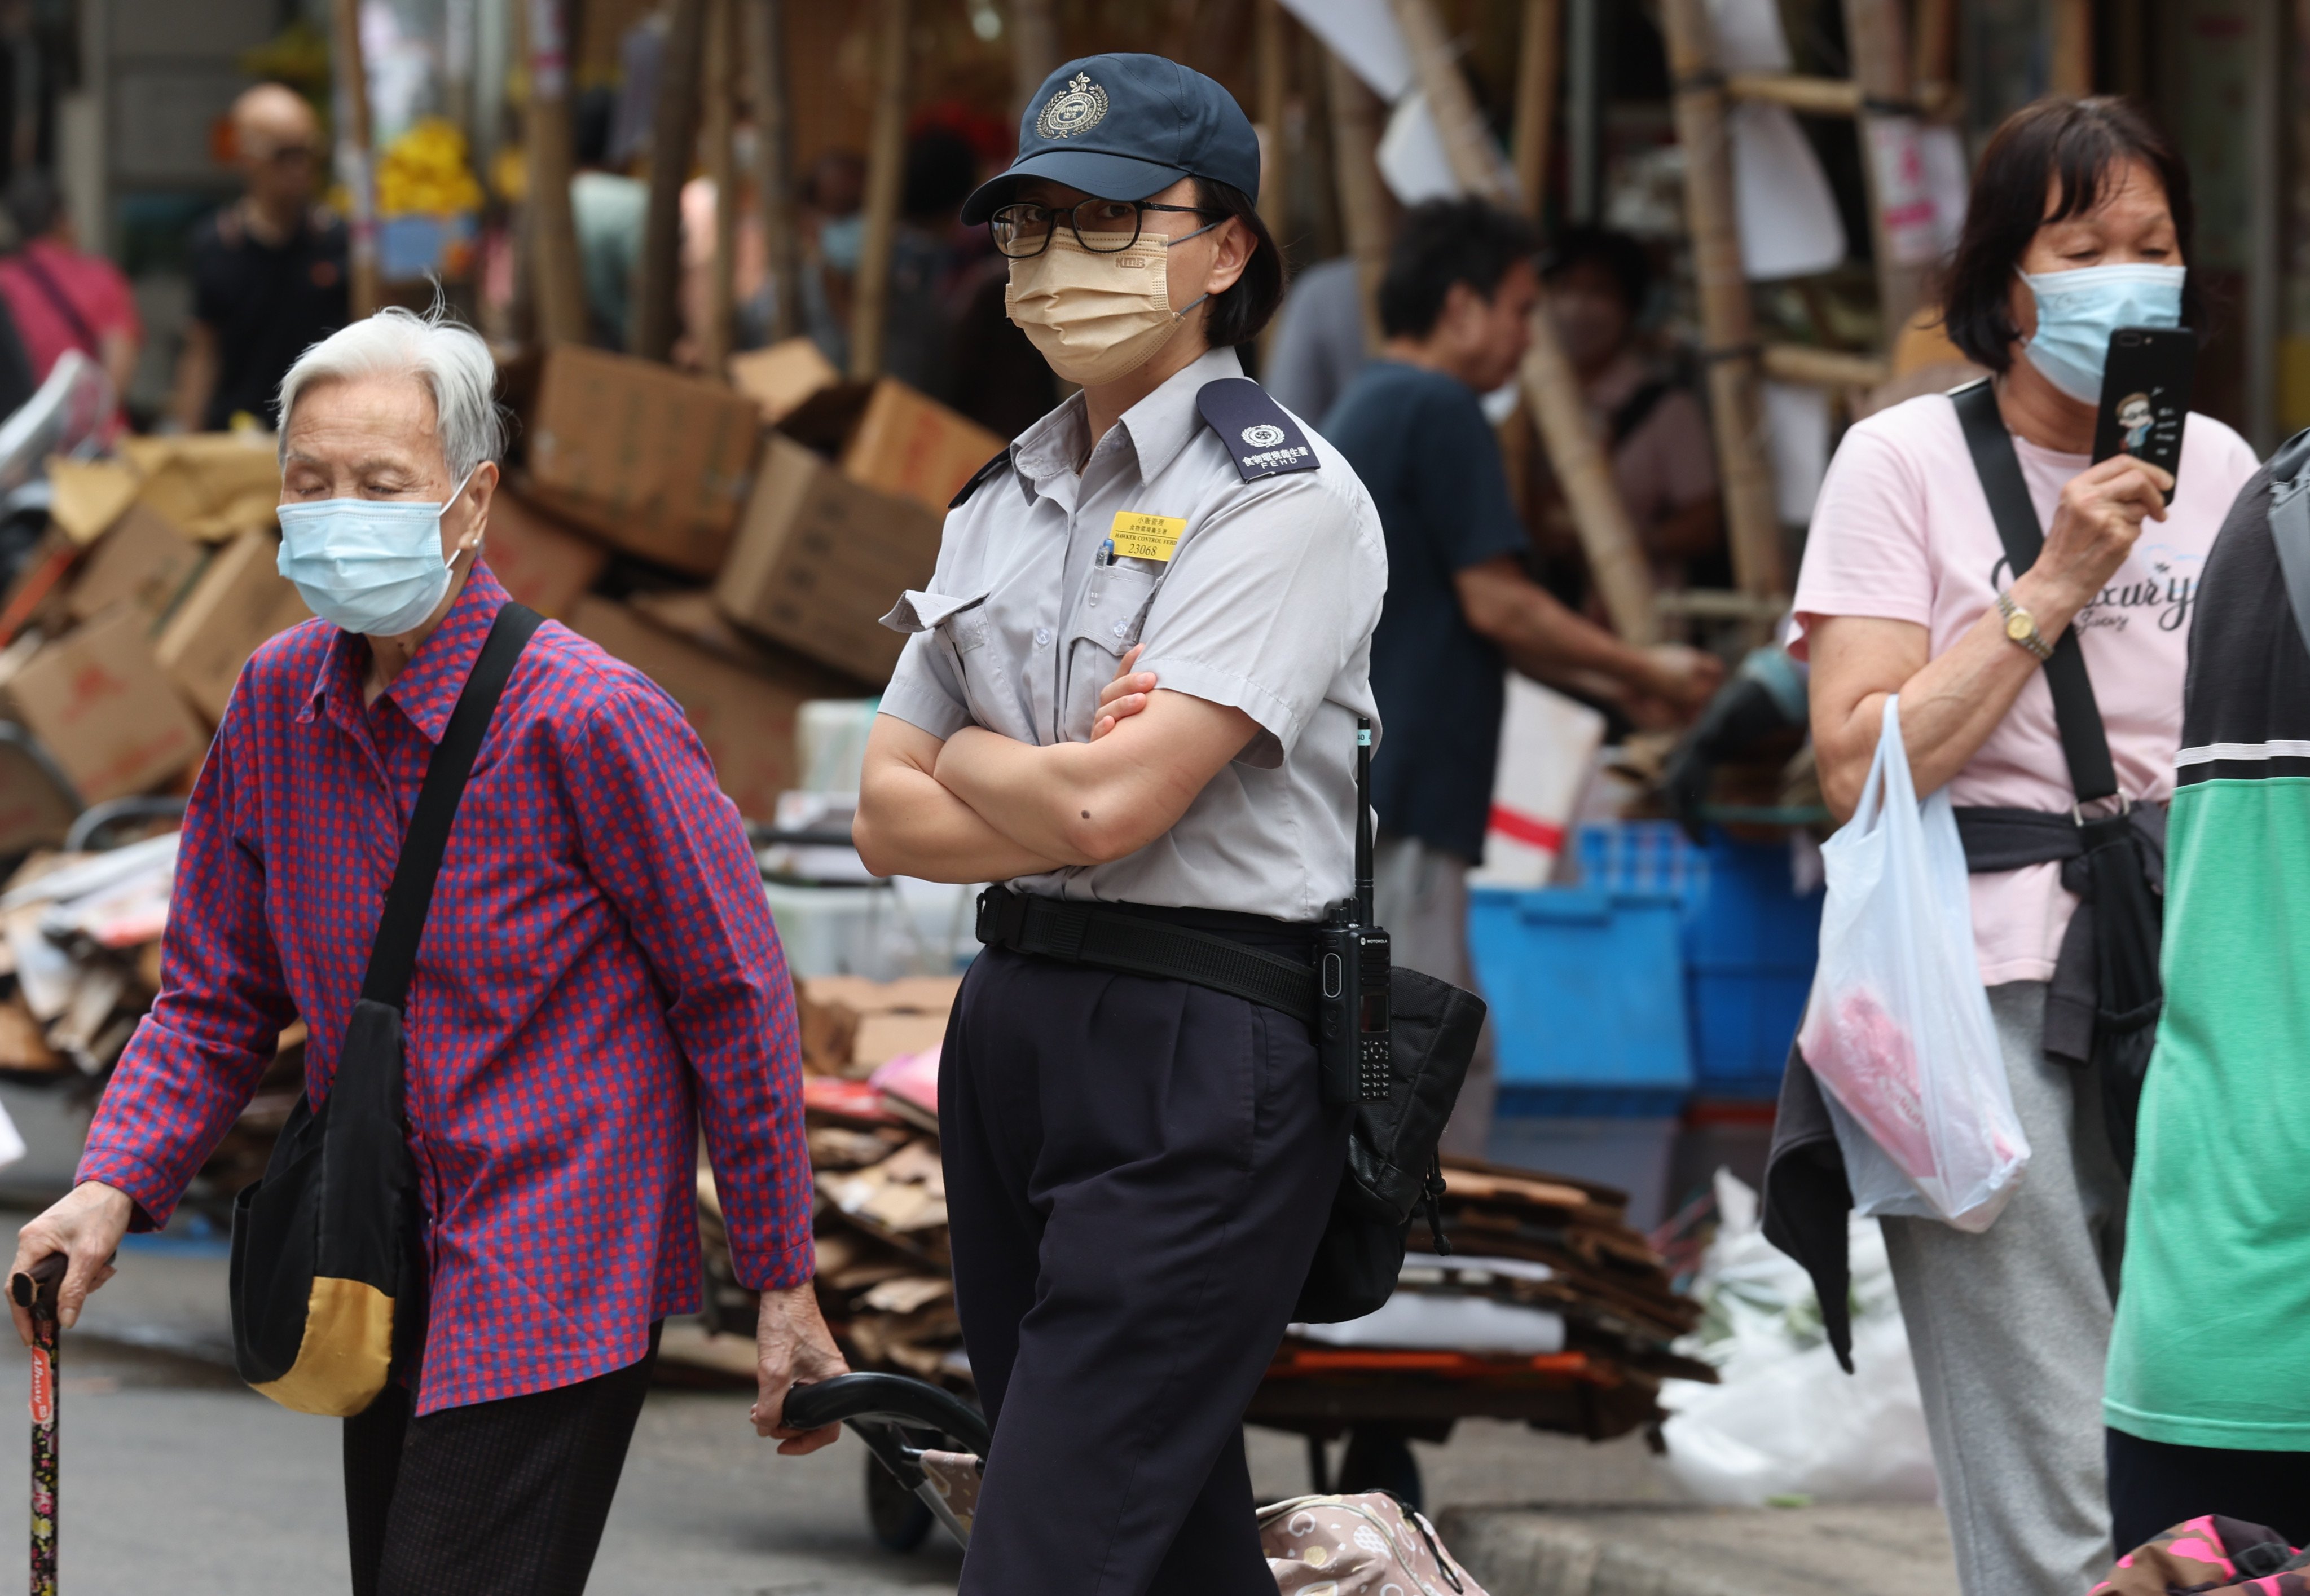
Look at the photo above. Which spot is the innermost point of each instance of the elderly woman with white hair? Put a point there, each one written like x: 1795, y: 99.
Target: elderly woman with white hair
x: 597, y: 973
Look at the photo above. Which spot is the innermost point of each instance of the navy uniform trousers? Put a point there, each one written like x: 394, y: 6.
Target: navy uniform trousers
x: 1137, y: 1172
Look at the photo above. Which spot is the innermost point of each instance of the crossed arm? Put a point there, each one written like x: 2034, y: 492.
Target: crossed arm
x: 980, y: 807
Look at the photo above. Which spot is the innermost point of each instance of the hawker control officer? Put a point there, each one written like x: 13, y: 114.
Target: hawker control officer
x: 1131, y: 693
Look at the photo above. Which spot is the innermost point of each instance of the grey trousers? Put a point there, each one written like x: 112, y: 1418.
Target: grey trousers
x: 1421, y: 893
x: 2009, y: 1330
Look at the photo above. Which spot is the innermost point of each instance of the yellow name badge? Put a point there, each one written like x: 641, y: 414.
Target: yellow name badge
x: 1137, y: 536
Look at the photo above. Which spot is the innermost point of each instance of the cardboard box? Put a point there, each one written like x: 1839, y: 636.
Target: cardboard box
x: 100, y: 705
x: 650, y: 461
x: 542, y: 560
x: 893, y: 439
x: 213, y: 485
x: 143, y: 560
x: 690, y: 613
x: 780, y: 378
x: 88, y: 496
x: 240, y: 601
x: 35, y: 812
x: 820, y: 559
x: 745, y: 719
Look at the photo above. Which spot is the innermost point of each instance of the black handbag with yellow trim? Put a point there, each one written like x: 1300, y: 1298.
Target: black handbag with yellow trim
x: 328, y: 1268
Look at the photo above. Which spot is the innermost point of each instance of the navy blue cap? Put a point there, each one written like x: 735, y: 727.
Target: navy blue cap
x: 1122, y: 127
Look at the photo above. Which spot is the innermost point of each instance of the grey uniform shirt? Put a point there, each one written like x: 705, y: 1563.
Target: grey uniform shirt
x: 1266, y: 606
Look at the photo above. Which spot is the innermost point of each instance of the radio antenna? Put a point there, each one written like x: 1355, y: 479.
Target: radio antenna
x: 1363, y: 821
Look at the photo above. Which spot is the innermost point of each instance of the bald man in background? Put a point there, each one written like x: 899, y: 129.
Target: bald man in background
x: 268, y: 270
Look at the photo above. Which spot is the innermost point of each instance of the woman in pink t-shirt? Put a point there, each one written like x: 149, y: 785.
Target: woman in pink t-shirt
x: 1905, y: 589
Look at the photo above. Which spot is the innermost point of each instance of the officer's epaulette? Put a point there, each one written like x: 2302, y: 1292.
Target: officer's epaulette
x: 962, y: 494
x: 1262, y: 439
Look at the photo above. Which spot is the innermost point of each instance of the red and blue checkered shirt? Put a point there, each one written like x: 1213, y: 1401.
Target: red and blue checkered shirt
x: 598, y: 973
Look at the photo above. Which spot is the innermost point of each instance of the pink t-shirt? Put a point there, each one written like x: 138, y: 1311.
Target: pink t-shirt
x: 1902, y: 532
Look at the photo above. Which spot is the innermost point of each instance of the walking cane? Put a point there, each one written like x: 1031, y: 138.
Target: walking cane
x: 36, y: 1290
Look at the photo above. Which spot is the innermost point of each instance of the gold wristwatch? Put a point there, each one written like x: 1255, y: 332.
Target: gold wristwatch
x: 2021, y: 627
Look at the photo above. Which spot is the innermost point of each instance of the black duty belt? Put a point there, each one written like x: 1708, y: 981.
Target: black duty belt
x: 1108, y: 938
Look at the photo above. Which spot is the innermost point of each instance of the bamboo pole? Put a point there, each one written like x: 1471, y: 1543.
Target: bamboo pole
x: 1752, y: 517
x: 886, y: 152
x: 674, y: 141
x: 718, y: 335
x: 766, y: 55
x: 1467, y: 143
x: 2070, y: 68
x: 1275, y: 94
x: 1824, y: 368
x: 1813, y: 96
x: 1034, y: 48
x: 556, y: 276
x: 1367, y: 213
x: 356, y: 158
x: 1539, y: 65
x: 1934, y: 56
x: 1880, y: 52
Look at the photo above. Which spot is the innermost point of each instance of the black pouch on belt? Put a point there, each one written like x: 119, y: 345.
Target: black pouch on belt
x: 327, y: 1268
x: 1392, y: 1165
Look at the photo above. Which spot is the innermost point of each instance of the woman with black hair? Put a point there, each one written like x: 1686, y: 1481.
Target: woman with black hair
x: 1131, y: 694
x: 2079, y: 224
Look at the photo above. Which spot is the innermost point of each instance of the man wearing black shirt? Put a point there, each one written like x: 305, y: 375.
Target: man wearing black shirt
x: 268, y: 270
x: 1455, y: 307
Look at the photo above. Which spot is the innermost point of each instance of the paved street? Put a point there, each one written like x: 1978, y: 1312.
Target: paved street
x: 177, y: 1478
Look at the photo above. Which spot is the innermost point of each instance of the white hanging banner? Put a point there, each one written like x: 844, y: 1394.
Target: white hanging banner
x: 1905, y: 196
x: 1364, y: 34
x: 1781, y: 198
x: 1796, y: 421
x: 1749, y: 36
x: 1412, y: 161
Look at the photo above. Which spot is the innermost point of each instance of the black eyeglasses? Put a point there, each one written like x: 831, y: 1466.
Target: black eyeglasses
x: 1103, y: 227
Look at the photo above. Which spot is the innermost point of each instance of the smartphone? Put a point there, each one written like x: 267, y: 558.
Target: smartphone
x: 2145, y: 395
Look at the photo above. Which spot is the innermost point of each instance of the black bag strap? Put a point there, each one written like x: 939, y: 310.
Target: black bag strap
x: 2076, y: 714
x: 394, y: 954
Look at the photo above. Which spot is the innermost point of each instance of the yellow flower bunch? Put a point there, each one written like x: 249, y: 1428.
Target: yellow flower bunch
x: 425, y: 172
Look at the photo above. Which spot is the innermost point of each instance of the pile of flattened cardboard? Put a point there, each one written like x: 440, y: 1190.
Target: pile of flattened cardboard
x: 1548, y: 1308
x: 738, y: 544
x: 885, y: 1283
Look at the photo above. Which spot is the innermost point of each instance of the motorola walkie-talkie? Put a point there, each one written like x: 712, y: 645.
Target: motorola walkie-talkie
x: 1351, y: 970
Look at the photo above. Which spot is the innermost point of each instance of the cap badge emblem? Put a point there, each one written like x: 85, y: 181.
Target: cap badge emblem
x: 1078, y: 107
x: 1262, y: 436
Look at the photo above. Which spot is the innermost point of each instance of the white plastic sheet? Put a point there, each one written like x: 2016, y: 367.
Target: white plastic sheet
x: 1781, y: 199
x: 1786, y: 1422
x: 1899, y: 1030
x: 1364, y: 34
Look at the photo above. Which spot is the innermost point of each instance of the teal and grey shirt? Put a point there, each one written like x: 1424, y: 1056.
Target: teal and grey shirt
x: 2213, y: 1326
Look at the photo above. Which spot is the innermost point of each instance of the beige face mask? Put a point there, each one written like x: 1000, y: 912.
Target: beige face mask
x: 1096, y: 317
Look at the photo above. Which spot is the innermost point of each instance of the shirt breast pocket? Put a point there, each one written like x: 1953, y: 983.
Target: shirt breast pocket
x: 1107, y: 624
x: 961, y: 630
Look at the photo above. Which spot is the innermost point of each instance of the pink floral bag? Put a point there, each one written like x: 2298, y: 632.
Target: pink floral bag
x: 1365, y: 1545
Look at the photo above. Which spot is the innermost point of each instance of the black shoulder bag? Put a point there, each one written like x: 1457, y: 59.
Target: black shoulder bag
x: 2116, y: 878
x: 327, y: 1272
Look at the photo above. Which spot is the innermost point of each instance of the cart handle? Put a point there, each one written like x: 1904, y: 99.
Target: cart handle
x: 894, y: 1398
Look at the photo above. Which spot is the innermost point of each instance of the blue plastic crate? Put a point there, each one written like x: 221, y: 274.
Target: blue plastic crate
x: 1651, y: 857
x: 1588, y: 1000
x: 1750, y: 943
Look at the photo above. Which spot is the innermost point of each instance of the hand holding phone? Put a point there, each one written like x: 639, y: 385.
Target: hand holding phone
x: 2145, y: 395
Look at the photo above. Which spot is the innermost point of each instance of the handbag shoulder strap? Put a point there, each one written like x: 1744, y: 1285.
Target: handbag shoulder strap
x: 2076, y: 714
x: 394, y: 954
x: 2290, y: 525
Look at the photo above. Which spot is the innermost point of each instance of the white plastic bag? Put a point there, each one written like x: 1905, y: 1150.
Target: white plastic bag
x: 1899, y: 1030
x: 1786, y: 1421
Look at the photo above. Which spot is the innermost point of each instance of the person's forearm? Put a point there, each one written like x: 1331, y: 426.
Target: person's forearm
x: 1948, y: 707
x: 909, y: 824
x: 1062, y: 801
x: 197, y: 369
x: 1544, y: 639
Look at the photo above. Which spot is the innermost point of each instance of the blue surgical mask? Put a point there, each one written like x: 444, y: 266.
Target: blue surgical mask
x: 368, y: 565
x: 2076, y: 311
x: 842, y: 240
